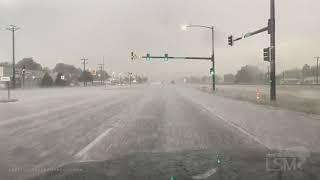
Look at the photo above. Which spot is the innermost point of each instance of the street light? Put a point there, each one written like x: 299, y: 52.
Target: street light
x: 184, y: 27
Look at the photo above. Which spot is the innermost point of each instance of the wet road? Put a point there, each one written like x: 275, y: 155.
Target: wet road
x: 51, y: 128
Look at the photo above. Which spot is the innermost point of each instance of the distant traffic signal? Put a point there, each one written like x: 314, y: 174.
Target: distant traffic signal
x: 266, y: 54
x: 230, y: 40
x: 148, y: 58
x: 166, y: 58
x: 247, y: 35
x: 132, y: 55
x: 211, y: 72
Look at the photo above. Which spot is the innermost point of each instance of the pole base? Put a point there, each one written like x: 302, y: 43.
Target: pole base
x: 8, y: 100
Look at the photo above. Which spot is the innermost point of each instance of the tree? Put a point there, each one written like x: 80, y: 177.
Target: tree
x: 6, y: 64
x: 249, y: 74
x: 46, y: 69
x: 66, y: 69
x: 126, y: 79
x: 86, y: 77
x: 30, y: 64
x: 60, y: 81
x: 47, y: 80
x: 103, y: 75
x: 229, y: 78
x: 306, y: 71
x: 71, y: 73
x: 292, y: 73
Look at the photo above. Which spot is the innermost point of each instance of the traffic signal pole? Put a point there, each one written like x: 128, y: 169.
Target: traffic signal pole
x: 166, y: 57
x: 273, y: 52
x: 178, y: 57
x: 271, y: 30
x: 213, y: 62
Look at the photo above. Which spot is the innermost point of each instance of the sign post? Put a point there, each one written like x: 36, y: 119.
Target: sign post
x: 8, y: 84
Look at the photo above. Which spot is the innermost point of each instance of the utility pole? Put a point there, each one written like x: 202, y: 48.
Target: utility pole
x: 130, y: 74
x: 23, y: 75
x: 84, y: 61
x: 317, y: 69
x: 104, y: 75
x: 13, y: 29
x: 272, y: 28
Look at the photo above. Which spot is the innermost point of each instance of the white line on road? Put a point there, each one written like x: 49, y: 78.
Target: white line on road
x: 232, y: 124
x: 45, y: 112
x: 92, y: 144
x: 236, y: 126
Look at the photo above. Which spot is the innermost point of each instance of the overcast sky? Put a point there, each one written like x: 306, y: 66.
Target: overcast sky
x: 67, y: 30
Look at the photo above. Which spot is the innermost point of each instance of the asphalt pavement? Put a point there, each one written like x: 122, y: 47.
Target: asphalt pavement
x: 51, y: 128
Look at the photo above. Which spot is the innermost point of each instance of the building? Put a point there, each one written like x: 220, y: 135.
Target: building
x: 310, y: 80
x: 229, y: 78
x: 31, y: 78
x: 290, y: 81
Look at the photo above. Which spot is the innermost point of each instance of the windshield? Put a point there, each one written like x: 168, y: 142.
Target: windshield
x: 159, y: 89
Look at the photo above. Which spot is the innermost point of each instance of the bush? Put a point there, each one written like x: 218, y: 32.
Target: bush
x: 59, y: 81
x: 47, y: 80
x: 86, y: 77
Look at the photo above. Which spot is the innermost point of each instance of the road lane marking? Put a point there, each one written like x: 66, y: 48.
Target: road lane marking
x: 232, y: 124
x: 45, y: 112
x: 236, y: 126
x: 85, y: 150
x: 205, y: 175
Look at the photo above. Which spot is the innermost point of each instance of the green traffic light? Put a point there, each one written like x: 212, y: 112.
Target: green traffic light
x: 211, y: 72
x: 166, y: 57
x: 219, y: 160
x: 247, y: 35
x: 148, y: 57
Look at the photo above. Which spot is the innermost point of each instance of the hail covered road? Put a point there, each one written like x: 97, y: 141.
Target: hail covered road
x: 49, y: 128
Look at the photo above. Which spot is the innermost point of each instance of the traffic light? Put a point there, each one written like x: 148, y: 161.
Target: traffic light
x: 247, y: 35
x: 148, y: 57
x: 132, y: 56
x: 266, y: 54
x: 230, y: 40
x: 211, y: 72
x: 166, y: 58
